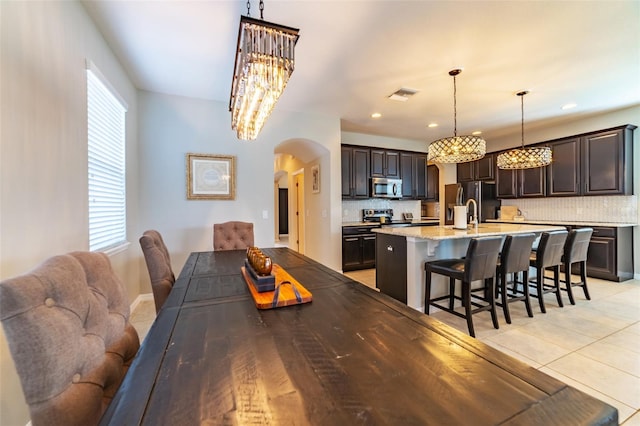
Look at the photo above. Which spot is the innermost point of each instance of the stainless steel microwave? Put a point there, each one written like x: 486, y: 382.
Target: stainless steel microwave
x: 386, y: 188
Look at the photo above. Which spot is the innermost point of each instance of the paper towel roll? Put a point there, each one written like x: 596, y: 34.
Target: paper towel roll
x: 460, y: 217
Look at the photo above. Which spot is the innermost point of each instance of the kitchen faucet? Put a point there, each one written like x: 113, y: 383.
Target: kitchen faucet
x: 474, y: 218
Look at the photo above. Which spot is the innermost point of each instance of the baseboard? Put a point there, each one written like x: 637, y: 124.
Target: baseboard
x: 141, y: 298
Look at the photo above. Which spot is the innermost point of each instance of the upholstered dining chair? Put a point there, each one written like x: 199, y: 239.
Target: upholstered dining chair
x: 158, y: 262
x: 232, y: 235
x: 68, y: 331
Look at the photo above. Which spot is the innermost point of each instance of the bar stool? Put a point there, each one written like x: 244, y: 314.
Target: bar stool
x: 478, y: 264
x: 575, y: 251
x: 548, y: 255
x: 514, y: 259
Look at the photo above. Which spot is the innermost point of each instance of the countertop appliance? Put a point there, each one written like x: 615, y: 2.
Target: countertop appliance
x: 386, y: 188
x: 484, y: 193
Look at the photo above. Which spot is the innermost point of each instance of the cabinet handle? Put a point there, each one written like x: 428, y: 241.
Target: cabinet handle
x: 351, y: 239
x: 390, y: 248
x: 369, y: 238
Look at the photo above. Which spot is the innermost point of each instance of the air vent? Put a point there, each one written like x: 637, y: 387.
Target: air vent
x: 402, y: 95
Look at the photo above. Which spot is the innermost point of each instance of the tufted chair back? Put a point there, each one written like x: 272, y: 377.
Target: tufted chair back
x: 67, y: 325
x: 232, y: 235
x: 158, y: 262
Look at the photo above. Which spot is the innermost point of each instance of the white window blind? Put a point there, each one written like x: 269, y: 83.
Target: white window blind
x: 107, y: 174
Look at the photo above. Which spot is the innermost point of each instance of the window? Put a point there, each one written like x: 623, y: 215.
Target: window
x: 107, y: 174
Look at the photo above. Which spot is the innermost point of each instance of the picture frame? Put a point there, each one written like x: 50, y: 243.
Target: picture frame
x: 315, y: 179
x: 211, y: 177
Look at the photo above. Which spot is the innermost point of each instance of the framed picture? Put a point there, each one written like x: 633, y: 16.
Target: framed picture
x: 211, y: 177
x: 315, y: 178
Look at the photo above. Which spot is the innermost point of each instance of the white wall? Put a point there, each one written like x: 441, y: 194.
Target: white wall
x: 172, y: 126
x: 43, y: 149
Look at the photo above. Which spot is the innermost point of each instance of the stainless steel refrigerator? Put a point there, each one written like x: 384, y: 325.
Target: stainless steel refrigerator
x: 484, y: 193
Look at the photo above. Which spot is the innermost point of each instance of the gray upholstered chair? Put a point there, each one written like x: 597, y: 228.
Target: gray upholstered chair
x: 158, y: 263
x: 67, y: 326
x: 232, y: 235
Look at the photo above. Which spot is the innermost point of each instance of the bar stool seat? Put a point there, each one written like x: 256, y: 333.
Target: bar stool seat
x: 479, y: 264
x: 575, y: 252
x: 514, y: 259
x: 548, y: 255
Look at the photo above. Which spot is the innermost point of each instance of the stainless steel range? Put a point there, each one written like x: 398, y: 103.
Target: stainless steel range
x: 377, y: 215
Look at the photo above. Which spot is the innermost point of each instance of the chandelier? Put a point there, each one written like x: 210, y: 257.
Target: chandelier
x: 264, y: 62
x: 456, y: 149
x: 524, y: 158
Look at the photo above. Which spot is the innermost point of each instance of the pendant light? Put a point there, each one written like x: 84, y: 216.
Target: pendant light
x: 264, y: 62
x: 524, y: 158
x: 456, y: 149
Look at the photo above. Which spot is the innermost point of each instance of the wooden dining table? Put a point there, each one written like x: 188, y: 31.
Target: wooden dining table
x: 351, y: 356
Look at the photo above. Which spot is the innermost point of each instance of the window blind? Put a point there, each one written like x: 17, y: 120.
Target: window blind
x: 106, y: 163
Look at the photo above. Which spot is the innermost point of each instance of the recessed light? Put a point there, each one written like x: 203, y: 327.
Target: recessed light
x: 432, y: 125
x: 569, y: 106
x: 476, y: 133
x: 376, y: 115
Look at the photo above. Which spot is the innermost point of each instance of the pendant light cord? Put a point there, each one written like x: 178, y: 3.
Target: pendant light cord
x: 455, y: 120
x: 521, y: 94
x: 261, y: 9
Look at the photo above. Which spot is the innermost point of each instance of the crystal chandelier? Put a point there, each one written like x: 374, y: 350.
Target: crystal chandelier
x: 264, y: 62
x: 456, y: 149
x: 524, y: 158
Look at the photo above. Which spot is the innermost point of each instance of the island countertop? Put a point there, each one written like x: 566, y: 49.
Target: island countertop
x: 483, y: 230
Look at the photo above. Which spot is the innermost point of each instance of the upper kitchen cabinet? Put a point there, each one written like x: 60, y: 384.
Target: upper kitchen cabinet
x: 598, y: 163
x: 563, y: 174
x: 433, y: 183
x: 607, y: 162
x: 526, y: 183
x: 482, y: 169
x: 413, y: 168
x: 385, y: 163
x: 355, y: 172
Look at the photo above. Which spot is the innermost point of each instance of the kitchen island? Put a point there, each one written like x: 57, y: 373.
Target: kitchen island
x: 402, y: 252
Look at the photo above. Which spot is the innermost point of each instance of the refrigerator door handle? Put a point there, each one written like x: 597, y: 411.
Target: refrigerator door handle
x: 459, y: 196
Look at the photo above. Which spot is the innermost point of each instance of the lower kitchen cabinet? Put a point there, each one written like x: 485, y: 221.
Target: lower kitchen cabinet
x: 610, y: 255
x: 391, y: 266
x: 358, y: 248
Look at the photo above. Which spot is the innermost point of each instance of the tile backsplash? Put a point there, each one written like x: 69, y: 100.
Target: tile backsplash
x: 614, y: 209
x: 352, y: 209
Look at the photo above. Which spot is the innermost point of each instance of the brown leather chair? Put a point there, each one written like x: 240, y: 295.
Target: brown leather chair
x: 548, y: 255
x: 67, y: 326
x: 575, y: 252
x: 158, y: 263
x: 479, y: 264
x: 232, y: 235
x: 514, y: 260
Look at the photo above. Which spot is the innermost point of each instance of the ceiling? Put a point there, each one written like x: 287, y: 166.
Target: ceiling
x: 352, y: 55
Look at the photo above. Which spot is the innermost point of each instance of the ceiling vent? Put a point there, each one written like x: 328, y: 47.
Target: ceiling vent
x: 402, y: 95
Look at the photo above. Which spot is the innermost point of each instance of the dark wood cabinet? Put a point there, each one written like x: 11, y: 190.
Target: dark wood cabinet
x: 607, y: 162
x: 520, y: 183
x: 506, y: 183
x: 563, y: 174
x: 391, y: 272
x: 385, y: 163
x: 595, y: 163
x: 482, y: 169
x: 532, y: 182
x: 610, y: 254
x: 433, y: 183
x: 358, y: 248
x: 413, y: 171
x: 355, y: 172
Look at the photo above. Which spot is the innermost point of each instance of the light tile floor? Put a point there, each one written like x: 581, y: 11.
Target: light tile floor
x: 593, y: 346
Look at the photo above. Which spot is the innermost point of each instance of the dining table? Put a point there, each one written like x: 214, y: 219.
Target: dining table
x: 351, y: 355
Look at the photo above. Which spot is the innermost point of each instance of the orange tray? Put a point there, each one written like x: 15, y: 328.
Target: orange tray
x: 286, y: 296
